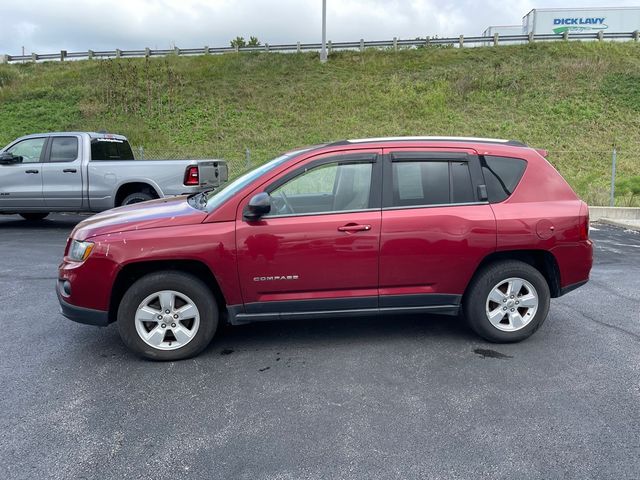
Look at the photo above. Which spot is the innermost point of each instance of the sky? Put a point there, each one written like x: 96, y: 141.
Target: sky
x: 47, y: 26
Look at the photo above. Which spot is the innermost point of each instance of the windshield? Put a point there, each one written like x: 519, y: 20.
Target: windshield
x: 214, y: 198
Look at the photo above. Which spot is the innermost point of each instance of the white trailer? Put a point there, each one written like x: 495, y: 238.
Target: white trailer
x: 502, y: 30
x: 581, y: 20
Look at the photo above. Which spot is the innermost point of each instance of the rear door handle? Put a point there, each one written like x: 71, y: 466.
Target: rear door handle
x: 354, y: 227
x: 31, y: 171
x: 69, y: 170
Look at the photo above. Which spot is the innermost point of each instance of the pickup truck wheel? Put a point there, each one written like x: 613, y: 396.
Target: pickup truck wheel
x: 167, y: 316
x: 34, y: 216
x: 507, y: 302
x: 136, y: 197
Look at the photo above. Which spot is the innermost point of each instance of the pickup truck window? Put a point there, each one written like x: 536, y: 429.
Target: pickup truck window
x: 63, y: 149
x: 110, y: 149
x: 30, y: 149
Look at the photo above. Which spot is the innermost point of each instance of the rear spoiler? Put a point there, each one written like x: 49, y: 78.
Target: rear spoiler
x: 541, y: 151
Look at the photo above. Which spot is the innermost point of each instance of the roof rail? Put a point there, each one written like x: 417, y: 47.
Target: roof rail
x: 514, y: 143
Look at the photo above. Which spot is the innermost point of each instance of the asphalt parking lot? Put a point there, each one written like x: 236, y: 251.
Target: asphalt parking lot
x: 393, y: 397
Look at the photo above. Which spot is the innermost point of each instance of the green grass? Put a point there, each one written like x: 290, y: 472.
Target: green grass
x: 575, y: 99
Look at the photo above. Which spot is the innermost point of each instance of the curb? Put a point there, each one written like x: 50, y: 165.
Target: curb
x: 619, y: 223
x: 596, y: 213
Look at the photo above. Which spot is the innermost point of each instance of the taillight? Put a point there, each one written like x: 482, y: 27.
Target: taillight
x: 584, y: 222
x: 192, y: 176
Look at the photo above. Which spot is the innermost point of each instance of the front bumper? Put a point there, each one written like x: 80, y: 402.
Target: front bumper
x: 82, y: 315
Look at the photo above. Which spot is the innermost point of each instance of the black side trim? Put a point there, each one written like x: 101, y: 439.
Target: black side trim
x: 419, y: 300
x: 83, y: 315
x: 344, y: 307
x: 330, y: 304
x: 236, y: 318
x: 572, y: 287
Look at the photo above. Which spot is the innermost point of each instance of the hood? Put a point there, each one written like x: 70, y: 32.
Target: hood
x: 164, y: 212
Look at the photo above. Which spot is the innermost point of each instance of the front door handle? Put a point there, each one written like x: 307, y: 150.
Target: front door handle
x: 354, y: 227
x: 31, y: 171
x: 69, y: 170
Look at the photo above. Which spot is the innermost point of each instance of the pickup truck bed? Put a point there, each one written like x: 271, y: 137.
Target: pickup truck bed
x: 92, y: 172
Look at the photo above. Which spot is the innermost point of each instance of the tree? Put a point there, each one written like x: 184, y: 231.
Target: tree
x: 238, y: 42
x: 629, y: 186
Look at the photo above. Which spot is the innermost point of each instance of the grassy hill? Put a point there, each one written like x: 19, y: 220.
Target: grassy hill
x: 575, y: 99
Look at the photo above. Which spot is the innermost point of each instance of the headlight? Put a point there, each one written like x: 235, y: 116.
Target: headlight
x: 80, y: 251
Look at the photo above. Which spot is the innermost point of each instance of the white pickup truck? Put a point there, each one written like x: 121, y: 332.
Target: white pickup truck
x: 91, y: 172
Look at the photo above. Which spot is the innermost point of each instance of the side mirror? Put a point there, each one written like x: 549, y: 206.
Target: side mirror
x: 258, y: 206
x: 7, y: 158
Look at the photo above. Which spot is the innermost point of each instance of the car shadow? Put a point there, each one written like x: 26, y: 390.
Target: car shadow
x: 10, y: 222
x: 309, y: 335
x: 339, y: 331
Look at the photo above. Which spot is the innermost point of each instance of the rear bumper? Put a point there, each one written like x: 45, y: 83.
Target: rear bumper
x: 87, y: 316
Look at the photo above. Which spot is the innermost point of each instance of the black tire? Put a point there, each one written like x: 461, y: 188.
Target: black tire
x: 136, y: 197
x: 180, y: 282
x: 34, y: 217
x: 475, y: 300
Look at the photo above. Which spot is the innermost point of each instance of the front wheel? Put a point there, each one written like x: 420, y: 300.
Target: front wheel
x: 167, y: 316
x: 507, y: 301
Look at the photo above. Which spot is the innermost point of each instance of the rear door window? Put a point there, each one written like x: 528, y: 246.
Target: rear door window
x: 419, y: 182
x: 63, y: 149
x: 501, y: 175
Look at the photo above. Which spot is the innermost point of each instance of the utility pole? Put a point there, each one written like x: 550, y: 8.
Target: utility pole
x: 323, y: 50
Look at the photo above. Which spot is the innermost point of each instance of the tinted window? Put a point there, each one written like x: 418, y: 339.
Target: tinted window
x: 331, y: 187
x: 462, y: 188
x: 110, y: 149
x: 501, y: 175
x: 64, y: 149
x: 29, y: 149
x: 420, y: 183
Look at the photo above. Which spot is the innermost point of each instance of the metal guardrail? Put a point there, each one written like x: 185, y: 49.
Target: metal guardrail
x: 301, y: 47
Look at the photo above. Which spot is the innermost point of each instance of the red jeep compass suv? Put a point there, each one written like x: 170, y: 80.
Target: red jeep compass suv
x: 431, y: 225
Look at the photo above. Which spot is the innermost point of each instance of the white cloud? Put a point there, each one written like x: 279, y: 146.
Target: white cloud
x: 51, y: 25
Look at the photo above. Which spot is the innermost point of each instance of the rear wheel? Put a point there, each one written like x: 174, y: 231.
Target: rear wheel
x: 507, y: 301
x: 33, y: 217
x: 137, y: 197
x: 167, y: 316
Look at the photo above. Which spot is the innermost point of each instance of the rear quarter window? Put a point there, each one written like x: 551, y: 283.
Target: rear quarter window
x: 502, y: 175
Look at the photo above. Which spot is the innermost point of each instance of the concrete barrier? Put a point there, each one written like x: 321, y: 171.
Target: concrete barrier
x: 613, y: 213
